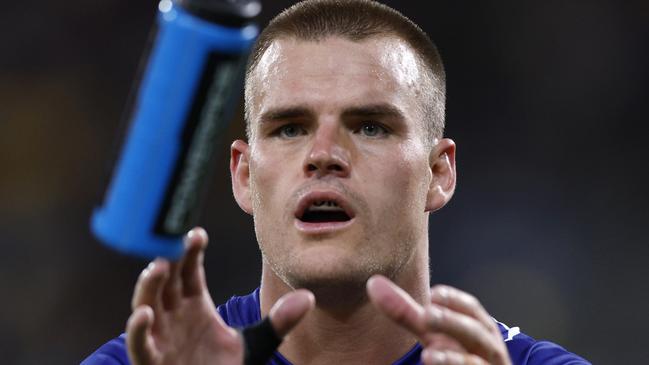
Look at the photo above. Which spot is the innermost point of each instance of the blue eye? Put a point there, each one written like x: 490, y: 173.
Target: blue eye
x: 371, y: 129
x: 290, y: 131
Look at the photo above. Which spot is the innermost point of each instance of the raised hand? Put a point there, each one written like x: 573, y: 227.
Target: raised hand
x: 174, y: 320
x: 454, y: 329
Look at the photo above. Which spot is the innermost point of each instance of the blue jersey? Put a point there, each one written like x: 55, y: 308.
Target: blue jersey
x: 244, y: 311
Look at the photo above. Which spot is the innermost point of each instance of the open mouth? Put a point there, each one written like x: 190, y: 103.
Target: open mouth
x: 324, y: 211
x: 320, y: 211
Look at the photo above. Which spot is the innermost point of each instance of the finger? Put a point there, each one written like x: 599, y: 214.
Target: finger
x: 436, y: 357
x: 193, y: 272
x: 441, y: 341
x: 174, y: 289
x: 290, y: 309
x: 463, y: 302
x: 148, y: 289
x: 139, y: 342
x: 397, y: 305
x: 468, y: 331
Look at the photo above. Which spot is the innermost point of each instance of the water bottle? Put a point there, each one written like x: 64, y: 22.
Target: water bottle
x: 189, y: 88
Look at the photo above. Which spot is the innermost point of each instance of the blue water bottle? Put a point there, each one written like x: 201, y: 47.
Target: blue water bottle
x: 188, y: 91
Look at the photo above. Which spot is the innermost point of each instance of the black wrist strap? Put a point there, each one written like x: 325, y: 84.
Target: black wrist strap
x: 260, y: 342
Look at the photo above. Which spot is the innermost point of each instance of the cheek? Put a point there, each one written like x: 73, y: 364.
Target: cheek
x: 263, y: 186
x: 404, y: 183
x: 267, y: 172
x: 415, y: 166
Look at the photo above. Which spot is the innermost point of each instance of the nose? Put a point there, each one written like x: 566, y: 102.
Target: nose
x: 328, y: 154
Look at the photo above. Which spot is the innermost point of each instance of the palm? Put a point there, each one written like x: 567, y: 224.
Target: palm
x: 174, y: 319
x: 194, y: 334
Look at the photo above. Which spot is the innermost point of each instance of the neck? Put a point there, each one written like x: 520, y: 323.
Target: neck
x: 350, y: 330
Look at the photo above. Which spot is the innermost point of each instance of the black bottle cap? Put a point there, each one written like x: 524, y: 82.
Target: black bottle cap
x: 229, y: 13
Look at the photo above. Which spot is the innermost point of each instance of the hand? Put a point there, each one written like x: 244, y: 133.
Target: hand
x: 453, y: 329
x: 174, y: 320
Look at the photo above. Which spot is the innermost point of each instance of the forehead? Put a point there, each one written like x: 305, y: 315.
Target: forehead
x: 335, y: 72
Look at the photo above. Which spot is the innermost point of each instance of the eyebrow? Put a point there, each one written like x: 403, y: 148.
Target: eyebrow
x: 374, y: 110
x: 293, y: 112
x: 363, y: 111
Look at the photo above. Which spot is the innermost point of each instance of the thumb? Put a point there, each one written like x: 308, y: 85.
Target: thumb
x: 397, y: 304
x: 290, y: 309
x: 262, y: 340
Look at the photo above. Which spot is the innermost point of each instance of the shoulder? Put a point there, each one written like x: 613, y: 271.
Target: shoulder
x: 112, y: 352
x: 524, y: 350
x: 241, y: 311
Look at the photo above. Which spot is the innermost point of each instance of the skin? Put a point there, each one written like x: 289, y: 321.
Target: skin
x: 323, y: 86
x: 329, y: 117
x: 174, y: 320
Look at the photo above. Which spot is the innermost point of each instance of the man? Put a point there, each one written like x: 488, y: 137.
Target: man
x: 345, y: 161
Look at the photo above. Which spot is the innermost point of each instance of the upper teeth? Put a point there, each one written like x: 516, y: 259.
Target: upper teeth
x: 324, y: 205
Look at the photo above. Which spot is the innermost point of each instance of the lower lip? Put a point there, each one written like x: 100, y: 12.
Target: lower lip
x: 321, y: 227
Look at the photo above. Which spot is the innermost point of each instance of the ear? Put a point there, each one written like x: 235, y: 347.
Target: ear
x: 240, y: 173
x: 442, y: 165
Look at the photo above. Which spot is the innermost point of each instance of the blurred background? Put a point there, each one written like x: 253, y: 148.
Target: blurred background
x: 547, y: 101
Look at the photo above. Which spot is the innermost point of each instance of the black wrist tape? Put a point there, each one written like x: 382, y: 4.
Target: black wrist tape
x: 260, y: 342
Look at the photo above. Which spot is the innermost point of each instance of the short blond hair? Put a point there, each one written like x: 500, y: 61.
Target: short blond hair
x: 356, y: 20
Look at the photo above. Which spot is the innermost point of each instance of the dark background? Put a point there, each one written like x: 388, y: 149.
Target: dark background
x: 547, y: 101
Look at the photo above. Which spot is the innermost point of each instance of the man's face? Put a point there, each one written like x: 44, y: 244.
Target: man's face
x: 339, y: 169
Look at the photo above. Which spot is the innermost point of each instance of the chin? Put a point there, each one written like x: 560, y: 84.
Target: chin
x: 330, y: 268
